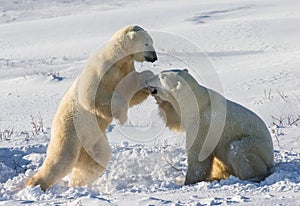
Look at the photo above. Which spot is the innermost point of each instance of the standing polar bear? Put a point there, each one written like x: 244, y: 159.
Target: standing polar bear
x: 78, y: 141
x: 222, y: 137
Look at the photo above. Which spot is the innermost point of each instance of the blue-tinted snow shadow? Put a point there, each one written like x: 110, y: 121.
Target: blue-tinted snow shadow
x: 202, y: 17
x: 12, y: 161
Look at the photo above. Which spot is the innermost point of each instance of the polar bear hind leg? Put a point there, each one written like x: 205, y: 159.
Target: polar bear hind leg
x: 85, y: 171
x: 247, y: 159
x: 219, y: 171
x: 59, y: 161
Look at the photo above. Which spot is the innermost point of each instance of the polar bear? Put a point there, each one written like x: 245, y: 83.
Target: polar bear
x: 222, y: 137
x: 78, y: 142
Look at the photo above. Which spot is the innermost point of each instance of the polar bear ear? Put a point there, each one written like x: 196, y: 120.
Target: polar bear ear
x: 132, y: 35
x: 134, y: 31
x: 137, y: 28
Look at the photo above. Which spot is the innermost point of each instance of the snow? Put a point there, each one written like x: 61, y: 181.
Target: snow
x: 247, y: 50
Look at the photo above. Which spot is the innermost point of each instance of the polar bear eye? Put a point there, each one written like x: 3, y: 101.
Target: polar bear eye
x: 146, y: 44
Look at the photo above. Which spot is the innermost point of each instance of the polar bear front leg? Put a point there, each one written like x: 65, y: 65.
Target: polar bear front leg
x: 119, y: 107
x: 60, y: 159
x: 142, y: 93
x: 197, y: 171
x: 138, y: 97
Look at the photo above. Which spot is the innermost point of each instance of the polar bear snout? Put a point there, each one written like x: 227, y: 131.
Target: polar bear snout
x: 150, y: 56
x: 153, y: 90
x: 154, y: 87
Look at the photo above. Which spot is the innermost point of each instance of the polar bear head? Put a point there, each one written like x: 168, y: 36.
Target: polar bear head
x: 136, y: 42
x: 176, y: 92
x: 167, y: 85
x: 176, y: 87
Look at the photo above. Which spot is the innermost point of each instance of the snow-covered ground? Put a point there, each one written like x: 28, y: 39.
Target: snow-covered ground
x: 253, y: 57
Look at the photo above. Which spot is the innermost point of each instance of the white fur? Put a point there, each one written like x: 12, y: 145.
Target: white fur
x: 78, y: 141
x: 223, y: 138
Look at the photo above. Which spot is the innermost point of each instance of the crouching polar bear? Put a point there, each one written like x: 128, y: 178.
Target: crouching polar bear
x: 222, y: 137
x: 78, y: 142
